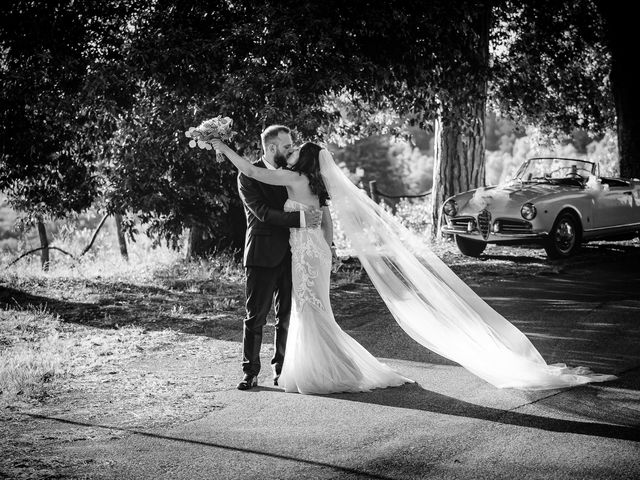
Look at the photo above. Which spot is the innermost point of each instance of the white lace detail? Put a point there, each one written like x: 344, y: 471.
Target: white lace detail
x: 308, y: 258
x: 305, y: 255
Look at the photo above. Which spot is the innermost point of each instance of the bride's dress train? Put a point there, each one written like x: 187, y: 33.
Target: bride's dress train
x: 432, y: 304
x: 320, y: 357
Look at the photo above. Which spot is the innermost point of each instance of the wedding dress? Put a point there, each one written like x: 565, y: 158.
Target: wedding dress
x: 320, y: 357
x: 425, y: 297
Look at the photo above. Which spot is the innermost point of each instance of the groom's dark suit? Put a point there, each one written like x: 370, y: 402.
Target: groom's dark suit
x: 267, y: 259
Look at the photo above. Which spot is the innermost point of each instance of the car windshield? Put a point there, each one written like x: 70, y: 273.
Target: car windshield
x: 553, y: 170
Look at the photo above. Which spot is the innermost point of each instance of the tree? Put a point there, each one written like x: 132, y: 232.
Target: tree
x: 438, y: 55
x: 300, y: 63
x: 143, y: 72
x: 260, y: 64
x: 151, y: 175
x: 620, y: 36
x: 551, y: 67
x: 45, y: 169
x: 459, y: 145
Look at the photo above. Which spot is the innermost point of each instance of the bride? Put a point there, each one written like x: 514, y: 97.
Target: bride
x: 426, y: 298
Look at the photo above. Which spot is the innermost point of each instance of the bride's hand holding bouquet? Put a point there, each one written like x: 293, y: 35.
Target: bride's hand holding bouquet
x: 217, y: 128
x: 218, y: 145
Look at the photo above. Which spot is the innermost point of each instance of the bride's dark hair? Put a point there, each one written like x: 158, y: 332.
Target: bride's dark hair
x: 309, y: 164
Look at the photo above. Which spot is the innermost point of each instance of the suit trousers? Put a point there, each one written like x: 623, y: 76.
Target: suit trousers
x: 266, y: 286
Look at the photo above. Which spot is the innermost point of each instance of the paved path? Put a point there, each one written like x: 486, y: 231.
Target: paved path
x: 450, y: 424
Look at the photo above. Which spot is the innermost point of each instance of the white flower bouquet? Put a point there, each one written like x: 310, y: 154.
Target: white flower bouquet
x: 216, y: 127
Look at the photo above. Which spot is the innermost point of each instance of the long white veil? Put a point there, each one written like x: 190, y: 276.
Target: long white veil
x: 432, y: 304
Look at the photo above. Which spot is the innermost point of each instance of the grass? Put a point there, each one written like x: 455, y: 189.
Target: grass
x: 102, y: 341
x: 102, y: 279
x: 53, y: 332
x: 33, y: 356
x: 39, y: 351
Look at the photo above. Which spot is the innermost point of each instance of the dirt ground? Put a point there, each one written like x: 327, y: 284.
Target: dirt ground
x: 190, y: 349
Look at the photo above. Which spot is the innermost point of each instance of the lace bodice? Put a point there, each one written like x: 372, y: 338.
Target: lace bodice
x: 310, y: 255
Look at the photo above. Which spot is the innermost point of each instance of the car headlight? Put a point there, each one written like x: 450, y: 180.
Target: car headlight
x: 528, y: 211
x: 450, y: 207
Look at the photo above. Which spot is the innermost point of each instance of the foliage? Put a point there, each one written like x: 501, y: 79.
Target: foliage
x: 96, y: 95
x: 509, y: 145
x: 415, y: 214
x: 157, y: 178
x: 550, y: 67
x: 397, y: 166
x: 45, y: 166
x: 258, y: 63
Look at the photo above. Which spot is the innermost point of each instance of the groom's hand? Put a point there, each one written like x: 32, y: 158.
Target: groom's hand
x: 312, y: 218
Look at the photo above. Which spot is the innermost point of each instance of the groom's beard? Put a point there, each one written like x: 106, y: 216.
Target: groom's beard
x: 280, y: 160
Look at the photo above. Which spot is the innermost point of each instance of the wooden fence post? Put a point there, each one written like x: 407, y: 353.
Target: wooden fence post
x: 122, y: 242
x: 44, y: 244
x: 373, y: 191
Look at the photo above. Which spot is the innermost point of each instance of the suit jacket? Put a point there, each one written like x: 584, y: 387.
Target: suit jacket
x: 267, y: 236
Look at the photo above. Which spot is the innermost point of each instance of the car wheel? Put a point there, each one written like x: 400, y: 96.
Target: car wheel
x: 564, y: 237
x: 471, y: 248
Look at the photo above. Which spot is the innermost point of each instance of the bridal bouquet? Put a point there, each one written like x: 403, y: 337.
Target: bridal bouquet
x: 216, y: 127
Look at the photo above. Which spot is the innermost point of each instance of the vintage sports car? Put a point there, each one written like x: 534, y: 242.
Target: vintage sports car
x: 554, y: 203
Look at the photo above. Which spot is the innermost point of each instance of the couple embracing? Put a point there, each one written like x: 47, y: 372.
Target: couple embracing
x: 288, y: 262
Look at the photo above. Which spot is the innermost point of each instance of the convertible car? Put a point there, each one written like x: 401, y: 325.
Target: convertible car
x: 553, y: 203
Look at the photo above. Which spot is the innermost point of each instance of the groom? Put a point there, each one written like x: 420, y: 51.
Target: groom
x: 267, y: 257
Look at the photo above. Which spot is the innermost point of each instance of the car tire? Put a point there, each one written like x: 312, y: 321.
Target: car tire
x: 470, y: 248
x: 564, y: 238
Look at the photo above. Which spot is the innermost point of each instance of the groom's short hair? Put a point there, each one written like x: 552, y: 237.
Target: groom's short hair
x: 271, y: 133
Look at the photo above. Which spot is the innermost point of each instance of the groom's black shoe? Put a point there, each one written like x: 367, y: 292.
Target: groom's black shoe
x: 275, y: 380
x: 248, y: 382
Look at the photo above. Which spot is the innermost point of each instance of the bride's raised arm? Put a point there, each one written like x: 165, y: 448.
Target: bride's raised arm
x: 264, y: 175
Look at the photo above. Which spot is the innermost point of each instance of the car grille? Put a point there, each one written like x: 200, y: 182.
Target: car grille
x: 484, y: 223
x: 461, y: 223
x: 510, y: 226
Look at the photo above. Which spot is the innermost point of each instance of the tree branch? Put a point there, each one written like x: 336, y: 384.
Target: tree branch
x: 37, y: 250
x: 95, y: 234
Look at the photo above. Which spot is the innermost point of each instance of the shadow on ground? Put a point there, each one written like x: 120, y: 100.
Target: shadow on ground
x: 108, y: 306
x: 414, y: 397
x: 569, y: 308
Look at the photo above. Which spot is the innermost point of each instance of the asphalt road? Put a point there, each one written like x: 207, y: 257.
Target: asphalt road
x: 450, y: 424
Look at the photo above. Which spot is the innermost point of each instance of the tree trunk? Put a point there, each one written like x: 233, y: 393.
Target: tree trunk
x: 621, y: 36
x: 44, y: 244
x: 122, y: 241
x: 196, y: 243
x: 459, y: 149
x: 459, y: 162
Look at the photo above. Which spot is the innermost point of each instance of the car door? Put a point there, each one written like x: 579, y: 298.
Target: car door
x: 618, y: 204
